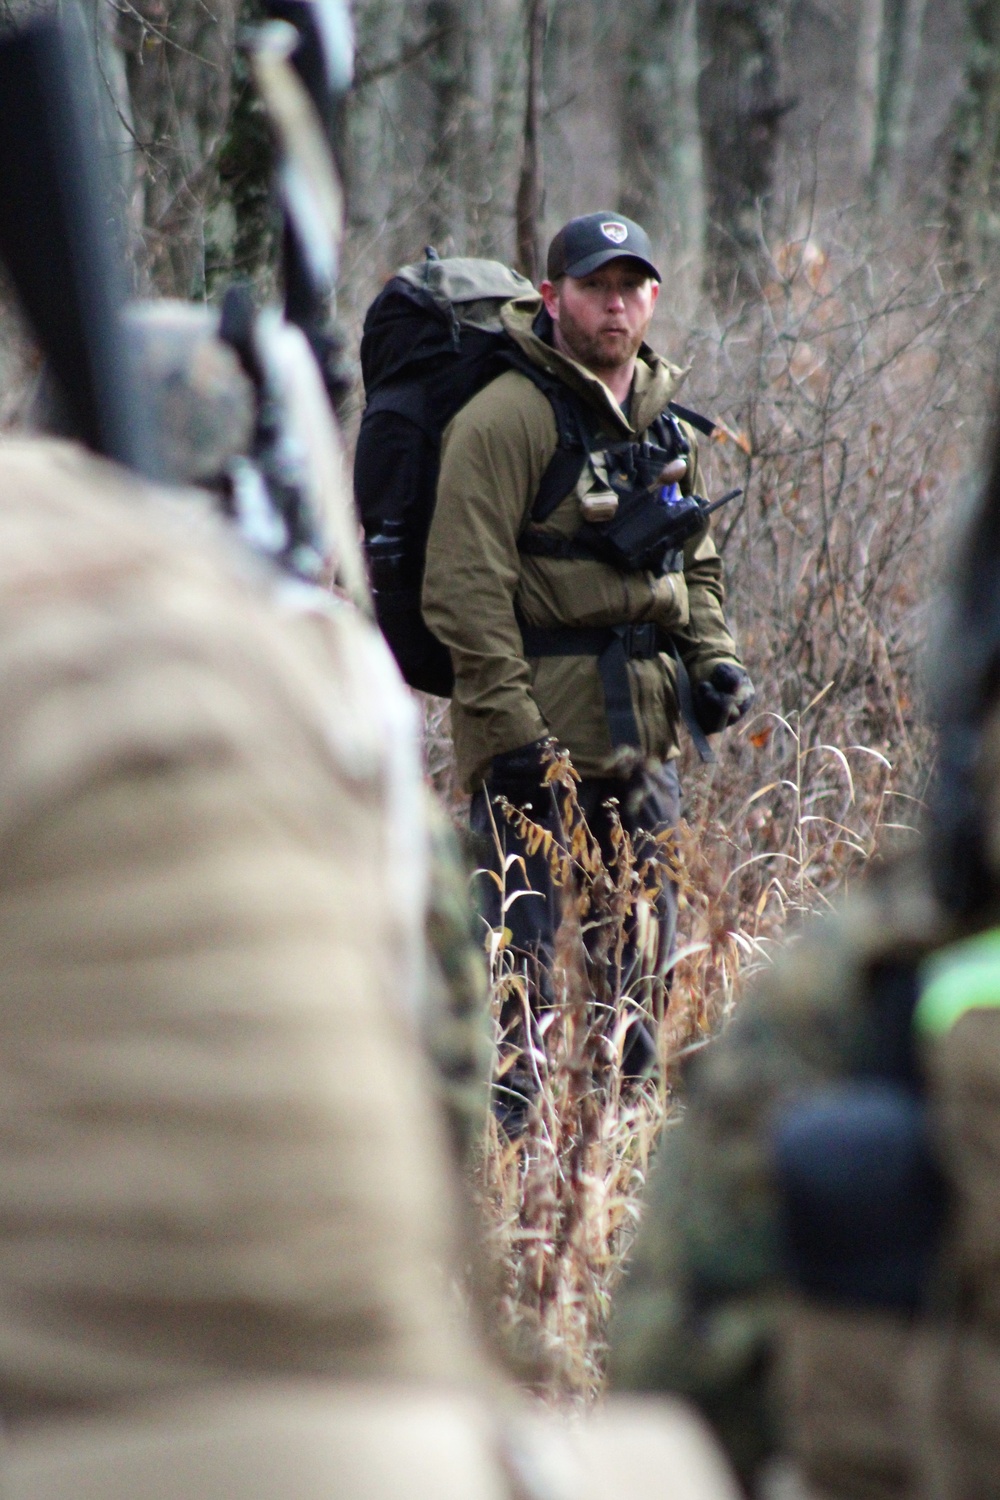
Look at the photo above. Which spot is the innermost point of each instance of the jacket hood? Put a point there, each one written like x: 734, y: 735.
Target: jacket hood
x: 656, y: 379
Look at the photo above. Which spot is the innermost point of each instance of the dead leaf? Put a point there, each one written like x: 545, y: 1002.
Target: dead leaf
x: 724, y: 434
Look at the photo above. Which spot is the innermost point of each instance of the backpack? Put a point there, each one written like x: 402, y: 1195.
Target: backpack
x: 432, y: 339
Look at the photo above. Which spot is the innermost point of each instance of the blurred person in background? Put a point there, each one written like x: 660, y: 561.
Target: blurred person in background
x: 819, y: 1265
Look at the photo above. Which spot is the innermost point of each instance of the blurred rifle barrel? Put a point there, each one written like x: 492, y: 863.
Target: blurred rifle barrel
x: 57, y: 234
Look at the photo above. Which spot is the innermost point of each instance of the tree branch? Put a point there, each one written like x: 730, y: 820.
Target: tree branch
x: 367, y: 74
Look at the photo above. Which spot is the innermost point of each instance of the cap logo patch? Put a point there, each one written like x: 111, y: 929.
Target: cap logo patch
x: 615, y: 232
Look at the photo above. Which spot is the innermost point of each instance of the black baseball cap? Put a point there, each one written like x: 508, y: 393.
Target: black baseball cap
x: 593, y: 239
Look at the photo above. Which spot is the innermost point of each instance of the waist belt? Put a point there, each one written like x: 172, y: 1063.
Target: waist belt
x: 640, y: 641
x: 614, y: 646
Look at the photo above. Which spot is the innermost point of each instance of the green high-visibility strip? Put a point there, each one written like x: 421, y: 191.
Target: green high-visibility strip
x: 962, y: 977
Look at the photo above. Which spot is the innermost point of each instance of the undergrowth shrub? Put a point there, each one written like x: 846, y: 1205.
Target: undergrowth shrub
x: 857, y: 387
x: 562, y: 1200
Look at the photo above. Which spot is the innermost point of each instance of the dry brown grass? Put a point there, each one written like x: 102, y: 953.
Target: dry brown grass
x: 563, y: 1201
x: 858, y: 383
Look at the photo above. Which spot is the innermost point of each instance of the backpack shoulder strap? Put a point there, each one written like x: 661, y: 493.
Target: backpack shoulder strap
x: 693, y: 418
x: 567, y: 462
x: 573, y: 438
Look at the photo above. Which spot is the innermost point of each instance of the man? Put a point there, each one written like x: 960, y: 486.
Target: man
x: 549, y: 639
x: 207, y: 1065
x: 800, y: 1274
x: 700, y: 1311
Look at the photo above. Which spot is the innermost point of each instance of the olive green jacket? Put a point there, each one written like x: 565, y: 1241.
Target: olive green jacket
x: 493, y: 457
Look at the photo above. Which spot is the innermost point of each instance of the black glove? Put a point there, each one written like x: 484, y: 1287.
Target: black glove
x: 519, y: 775
x: 722, y: 698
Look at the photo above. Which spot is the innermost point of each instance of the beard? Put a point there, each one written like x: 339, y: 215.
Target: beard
x: 607, y: 350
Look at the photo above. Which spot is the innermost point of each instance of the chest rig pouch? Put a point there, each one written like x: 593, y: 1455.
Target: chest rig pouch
x: 645, y: 530
x: 648, y: 529
x: 650, y: 521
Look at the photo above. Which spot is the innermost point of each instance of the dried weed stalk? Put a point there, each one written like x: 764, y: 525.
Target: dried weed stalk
x: 562, y: 1201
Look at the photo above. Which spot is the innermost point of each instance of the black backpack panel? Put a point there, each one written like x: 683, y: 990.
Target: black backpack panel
x: 405, y: 327
x: 396, y: 467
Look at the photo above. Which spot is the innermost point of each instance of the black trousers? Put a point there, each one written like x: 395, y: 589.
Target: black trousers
x: 648, y: 803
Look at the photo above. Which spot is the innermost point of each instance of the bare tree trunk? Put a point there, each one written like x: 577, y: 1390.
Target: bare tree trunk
x: 900, y: 54
x: 446, y: 219
x: 164, y: 71
x: 179, y: 68
x: 660, y: 161
x: 372, y: 104
x: 529, y: 187
x: 741, y: 106
x: 974, y: 178
x: 871, y: 24
x: 424, y: 162
x: 477, y: 167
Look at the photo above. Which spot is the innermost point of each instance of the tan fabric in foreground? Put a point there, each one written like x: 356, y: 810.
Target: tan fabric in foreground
x: 215, y: 1151
x: 845, y: 1382
x: 964, y: 1071
x: 310, y: 1442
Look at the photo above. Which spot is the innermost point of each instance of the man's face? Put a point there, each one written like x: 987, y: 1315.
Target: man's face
x: 601, y: 319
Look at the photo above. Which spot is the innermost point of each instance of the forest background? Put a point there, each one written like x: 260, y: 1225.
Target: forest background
x: 822, y: 181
